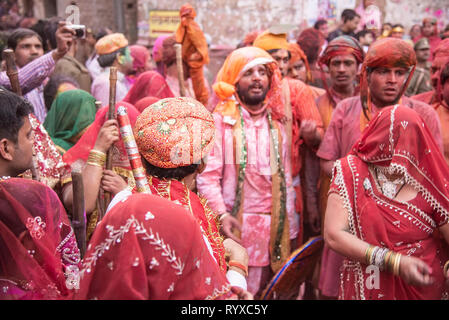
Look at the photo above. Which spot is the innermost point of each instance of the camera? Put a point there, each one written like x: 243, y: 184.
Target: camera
x: 80, y: 30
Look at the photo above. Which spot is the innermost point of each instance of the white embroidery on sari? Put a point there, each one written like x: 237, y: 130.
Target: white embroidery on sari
x: 116, y: 236
x: 218, y: 292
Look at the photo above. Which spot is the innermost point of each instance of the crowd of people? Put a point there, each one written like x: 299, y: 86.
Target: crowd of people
x: 340, y: 135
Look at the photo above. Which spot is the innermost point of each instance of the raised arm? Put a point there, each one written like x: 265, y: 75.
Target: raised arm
x: 34, y: 73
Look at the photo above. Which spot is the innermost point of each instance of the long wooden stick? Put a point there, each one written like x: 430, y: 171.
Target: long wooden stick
x: 12, y: 72
x: 13, y: 75
x: 182, y: 87
x: 79, y: 213
x: 111, y: 111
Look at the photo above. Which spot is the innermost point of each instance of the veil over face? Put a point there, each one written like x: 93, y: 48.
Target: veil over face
x: 398, y: 140
x: 37, y: 246
x: 80, y: 151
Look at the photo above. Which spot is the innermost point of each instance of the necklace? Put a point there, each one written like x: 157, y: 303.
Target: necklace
x: 389, y: 188
x: 4, y: 178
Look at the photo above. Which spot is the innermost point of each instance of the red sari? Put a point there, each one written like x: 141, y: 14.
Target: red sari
x: 177, y: 192
x: 148, y: 84
x: 396, y: 141
x: 39, y: 257
x: 148, y: 248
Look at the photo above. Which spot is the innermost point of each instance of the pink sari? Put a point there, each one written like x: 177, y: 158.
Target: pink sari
x: 396, y: 141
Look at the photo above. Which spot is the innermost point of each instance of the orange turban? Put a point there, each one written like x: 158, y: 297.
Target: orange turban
x: 388, y: 53
x: 234, y: 66
x: 175, y: 132
x: 111, y: 43
x: 297, y: 54
x: 270, y: 41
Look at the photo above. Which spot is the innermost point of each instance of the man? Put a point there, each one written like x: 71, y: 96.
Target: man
x: 421, y: 78
x: 16, y: 156
x: 69, y: 65
x: 113, y: 51
x: 366, y: 38
x: 322, y: 26
x: 299, y: 69
x: 442, y: 108
x: 441, y: 57
x: 261, y: 201
x: 429, y: 30
x: 342, y: 57
x: 305, y: 126
x: 383, y: 81
x: 170, y: 69
x: 397, y: 31
x: 92, y: 62
x: 312, y: 43
x: 17, y: 136
x: 29, y: 56
x: 350, y: 21
x: 187, y: 131
x: 422, y: 50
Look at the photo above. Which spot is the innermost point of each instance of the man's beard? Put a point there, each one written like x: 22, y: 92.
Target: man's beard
x: 251, y: 100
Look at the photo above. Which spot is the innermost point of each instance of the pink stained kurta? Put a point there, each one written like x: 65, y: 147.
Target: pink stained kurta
x: 342, y: 133
x: 344, y: 128
x: 218, y: 183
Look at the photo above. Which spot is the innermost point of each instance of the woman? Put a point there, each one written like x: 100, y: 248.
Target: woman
x: 39, y: 256
x: 71, y: 114
x: 141, y: 62
x: 388, y: 201
x: 137, y: 254
x: 96, y: 141
x: 148, y: 84
x: 299, y: 68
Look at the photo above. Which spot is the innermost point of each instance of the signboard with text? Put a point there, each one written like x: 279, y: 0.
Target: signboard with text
x: 162, y: 22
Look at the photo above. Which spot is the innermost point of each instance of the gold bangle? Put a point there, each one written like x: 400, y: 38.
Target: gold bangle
x: 223, y: 215
x: 98, y: 152
x: 392, y: 262
x: 397, y: 263
x: 94, y: 163
x: 387, y: 259
x: 96, y: 158
x: 446, y: 267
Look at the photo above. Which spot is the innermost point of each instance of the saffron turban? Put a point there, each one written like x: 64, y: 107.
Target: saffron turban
x: 297, y: 54
x: 175, y: 132
x: 235, y: 65
x: 270, y: 41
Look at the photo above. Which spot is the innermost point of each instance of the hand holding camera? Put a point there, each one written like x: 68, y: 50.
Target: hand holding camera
x: 64, y: 38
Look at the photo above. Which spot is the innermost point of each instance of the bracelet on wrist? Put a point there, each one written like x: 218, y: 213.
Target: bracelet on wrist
x: 239, y: 266
x: 96, y: 158
x: 224, y: 215
x: 446, y: 267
